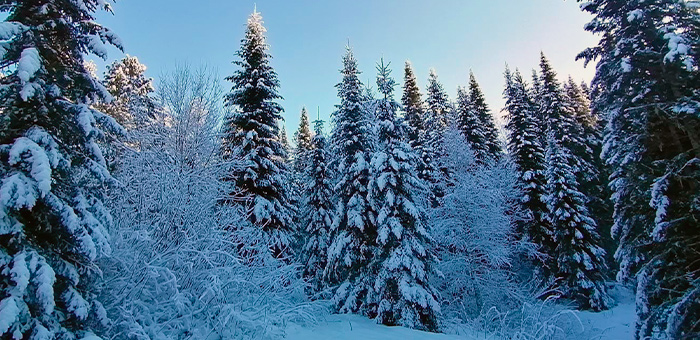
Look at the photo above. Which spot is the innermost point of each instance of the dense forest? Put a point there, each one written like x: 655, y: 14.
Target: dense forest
x: 130, y: 210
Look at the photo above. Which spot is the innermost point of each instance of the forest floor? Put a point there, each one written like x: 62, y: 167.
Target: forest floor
x: 614, y: 324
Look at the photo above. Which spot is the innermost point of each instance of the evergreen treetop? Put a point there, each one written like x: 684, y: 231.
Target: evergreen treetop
x: 252, y: 135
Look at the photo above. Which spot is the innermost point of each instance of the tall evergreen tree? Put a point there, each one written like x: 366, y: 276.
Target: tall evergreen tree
x: 567, y: 135
x: 354, y: 229
x: 131, y: 90
x: 402, y: 261
x: 436, y: 122
x: 414, y: 110
x: 317, y: 211
x: 646, y: 87
x: 476, y: 122
x: 579, y: 258
x: 528, y: 154
x: 593, y: 178
x: 53, y: 225
x: 251, y: 134
x: 303, y: 141
x: 284, y: 141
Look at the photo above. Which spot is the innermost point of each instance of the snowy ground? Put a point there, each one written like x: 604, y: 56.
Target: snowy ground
x: 350, y: 327
x: 614, y: 324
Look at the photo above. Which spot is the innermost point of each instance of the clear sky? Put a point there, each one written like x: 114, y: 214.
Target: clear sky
x: 308, y: 37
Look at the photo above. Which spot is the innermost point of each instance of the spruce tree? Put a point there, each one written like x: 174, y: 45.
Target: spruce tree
x: 132, y: 104
x: 317, y: 211
x: 303, y: 142
x: 432, y: 150
x: 528, y: 154
x: 53, y: 225
x: 354, y: 230
x: 579, y: 258
x: 251, y: 135
x: 476, y: 123
x: 402, y: 261
x: 566, y: 134
x: 414, y: 111
x: 593, y: 178
x: 646, y: 87
x: 283, y: 139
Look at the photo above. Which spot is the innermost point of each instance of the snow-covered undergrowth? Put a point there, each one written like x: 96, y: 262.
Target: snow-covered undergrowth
x: 174, y: 273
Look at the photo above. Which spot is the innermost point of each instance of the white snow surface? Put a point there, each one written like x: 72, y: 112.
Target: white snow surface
x: 348, y: 326
x: 614, y: 324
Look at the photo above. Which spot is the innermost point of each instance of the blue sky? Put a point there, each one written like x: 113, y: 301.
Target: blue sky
x: 308, y: 38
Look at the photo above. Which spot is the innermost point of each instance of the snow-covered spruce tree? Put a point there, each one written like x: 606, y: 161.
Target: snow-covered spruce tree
x: 131, y: 91
x: 283, y: 139
x: 559, y: 122
x: 414, y: 110
x: 436, y: 121
x: 593, y: 179
x: 579, y: 258
x: 527, y: 153
x: 354, y: 231
x: 317, y: 210
x: 53, y: 225
x: 132, y: 105
x: 251, y: 134
x: 646, y: 88
x: 303, y: 142
x: 402, y: 261
x: 559, y: 117
x: 476, y: 122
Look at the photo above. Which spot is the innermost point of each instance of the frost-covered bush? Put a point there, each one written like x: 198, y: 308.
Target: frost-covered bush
x: 174, y: 273
x: 474, y: 230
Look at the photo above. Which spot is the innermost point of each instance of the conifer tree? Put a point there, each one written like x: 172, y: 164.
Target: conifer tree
x: 284, y: 141
x: 579, y: 258
x: 436, y: 122
x: 528, y: 154
x: 353, y: 231
x: 131, y: 90
x: 476, y: 122
x: 414, y: 111
x: 317, y: 211
x: 567, y: 135
x: 593, y: 177
x: 251, y: 134
x: 646, y: 87
x: 53, y: 225
x: 303, y: 141
x: 402, y: 261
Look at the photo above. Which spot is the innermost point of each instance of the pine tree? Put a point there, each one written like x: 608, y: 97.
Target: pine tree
x: 401, y: 294
x: 132, y: 103
x: 476, y: 122
x: 579, y: 258
x: 317, y: 210
x: 414, y: 111
x: 53, y: 225
x: 354, y: 230
x: 251, y: 134
x: 528, y: 154
x: 646, y: 87
x: 436, y: 122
